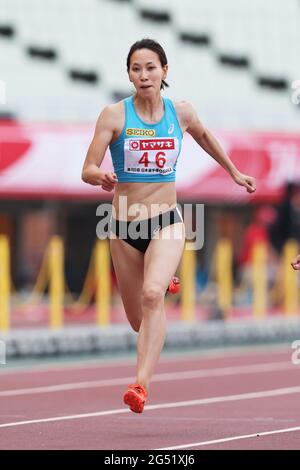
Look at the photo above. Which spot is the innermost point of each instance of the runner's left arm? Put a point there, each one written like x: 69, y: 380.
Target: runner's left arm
x: 210, y: 144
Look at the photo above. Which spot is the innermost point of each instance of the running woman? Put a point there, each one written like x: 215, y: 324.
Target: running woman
x: 144, y: 134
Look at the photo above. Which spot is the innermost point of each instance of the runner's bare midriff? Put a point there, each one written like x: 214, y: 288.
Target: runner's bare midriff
x: 145, y: 199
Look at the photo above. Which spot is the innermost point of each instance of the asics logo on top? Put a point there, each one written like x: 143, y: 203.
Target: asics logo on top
x: 145, y: 132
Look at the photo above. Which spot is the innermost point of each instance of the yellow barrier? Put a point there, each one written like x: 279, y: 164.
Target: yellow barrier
x: 224, y: 275
x: 259, y: 279
x: 188, y: 285
x: 4, y: 283
x: 290, y: 289
x: 98, y: 281
x: 103, y: 284
x: 56, y: 281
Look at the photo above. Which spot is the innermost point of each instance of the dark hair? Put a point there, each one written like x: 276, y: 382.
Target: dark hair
x: 153, y: 46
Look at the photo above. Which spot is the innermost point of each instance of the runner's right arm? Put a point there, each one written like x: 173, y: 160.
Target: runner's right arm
x: 103, y: 135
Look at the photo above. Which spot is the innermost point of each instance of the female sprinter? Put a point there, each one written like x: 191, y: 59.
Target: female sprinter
x: 144, y: 133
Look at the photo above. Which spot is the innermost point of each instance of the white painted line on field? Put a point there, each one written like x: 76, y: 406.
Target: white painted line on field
x: 180, y: 404
x: 163, y: 377
x: 233, y: 438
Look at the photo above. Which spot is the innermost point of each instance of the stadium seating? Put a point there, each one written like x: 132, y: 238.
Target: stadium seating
x: 63, y: 60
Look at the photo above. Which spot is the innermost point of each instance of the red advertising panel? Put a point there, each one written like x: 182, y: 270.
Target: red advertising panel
x: 46, y: 160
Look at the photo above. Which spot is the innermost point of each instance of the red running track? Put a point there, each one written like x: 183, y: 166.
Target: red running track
x: 229, y: 399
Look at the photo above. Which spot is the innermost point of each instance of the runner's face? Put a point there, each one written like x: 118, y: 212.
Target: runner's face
x: 146, y: 72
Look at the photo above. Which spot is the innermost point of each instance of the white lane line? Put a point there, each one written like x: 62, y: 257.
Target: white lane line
x: 65, y: 418
x: 233, y: 438
x: 168, y: 376
x: 180, y: 404
x: 166, y: 358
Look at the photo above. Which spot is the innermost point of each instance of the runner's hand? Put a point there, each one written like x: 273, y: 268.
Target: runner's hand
x: 109, y: 181
x: 247, y: 181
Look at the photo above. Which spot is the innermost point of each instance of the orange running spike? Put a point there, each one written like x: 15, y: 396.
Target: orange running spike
x: 135, y: 397
x: 174, y: 286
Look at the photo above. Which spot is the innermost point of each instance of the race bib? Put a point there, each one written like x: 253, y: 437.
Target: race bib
x: 150, y: 156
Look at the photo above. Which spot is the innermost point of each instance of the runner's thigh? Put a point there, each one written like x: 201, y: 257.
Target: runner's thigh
x: 129, y: 268
x: 163, y: 255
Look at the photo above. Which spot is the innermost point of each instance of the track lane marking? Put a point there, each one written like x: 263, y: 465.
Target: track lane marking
x: 166, y: 376
x: 202, y: 401
x: 233, y: 438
